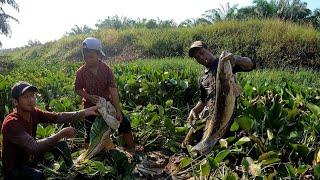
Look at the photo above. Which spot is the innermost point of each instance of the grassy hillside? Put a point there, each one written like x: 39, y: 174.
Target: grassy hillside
x: 271, y: 43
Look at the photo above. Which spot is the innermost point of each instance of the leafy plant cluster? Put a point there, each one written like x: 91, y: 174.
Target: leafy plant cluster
x: 275, y: 133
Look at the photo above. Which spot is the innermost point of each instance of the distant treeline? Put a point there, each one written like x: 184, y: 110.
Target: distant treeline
x: 288, y: 10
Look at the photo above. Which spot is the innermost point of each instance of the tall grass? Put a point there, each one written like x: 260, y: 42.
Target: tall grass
x: 270, y: 43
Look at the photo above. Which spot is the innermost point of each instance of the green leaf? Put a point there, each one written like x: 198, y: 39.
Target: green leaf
x: 242, y: 141
x: 293, y: 135
x: 302, y: 169
x: 292, y: 113
x: 213, y: 162
x: 316, y: 171
x: 169, y: 125
x: 169, y: 103
x: 221, y: 155
x: 230, y: 176
x: 291, y: 170
x: 270, y: 161
x: 181, y: 130
x: 248, y: 90
x: 161, y: 110
x: 192, y: 153
x: 205, y: 168
x: 135, y: 120
x: 245, y: 122
x: 223, y: 143
x: 234, y: 126
x: 185, y: 162
x: 268, y: 155
x: 314, y: 108
x: 302, y: 149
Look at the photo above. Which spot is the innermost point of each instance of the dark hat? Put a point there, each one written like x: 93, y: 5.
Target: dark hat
x: 20, y: 87
x: 196, y: 44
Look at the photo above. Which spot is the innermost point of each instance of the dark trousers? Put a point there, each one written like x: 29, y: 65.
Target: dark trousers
x: 26, y: 172
x: 125, y: 126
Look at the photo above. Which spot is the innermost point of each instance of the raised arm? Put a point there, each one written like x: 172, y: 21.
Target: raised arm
x: 244, y: 63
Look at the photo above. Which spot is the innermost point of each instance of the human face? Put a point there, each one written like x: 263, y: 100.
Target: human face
x: 203, y: 56
x: 91, y: 58
x: 27, y: 101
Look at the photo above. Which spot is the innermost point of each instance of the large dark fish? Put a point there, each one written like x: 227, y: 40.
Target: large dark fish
x: 226, y: 92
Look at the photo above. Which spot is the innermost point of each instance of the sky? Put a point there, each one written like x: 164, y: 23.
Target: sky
x: 48, y: 20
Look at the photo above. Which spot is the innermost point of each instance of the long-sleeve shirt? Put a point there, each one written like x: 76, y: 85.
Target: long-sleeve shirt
x: 19, y: 134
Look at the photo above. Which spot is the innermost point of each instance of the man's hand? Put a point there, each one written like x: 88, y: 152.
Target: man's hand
x: 232, y: 60
x: 93, y: 98
x: 228, y: 56
x: 119, y: 116
x: 192, y: 116
x: 68, y: 132
x: 91, y: 111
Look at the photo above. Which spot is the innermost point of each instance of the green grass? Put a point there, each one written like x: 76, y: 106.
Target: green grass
x: 270, y: 43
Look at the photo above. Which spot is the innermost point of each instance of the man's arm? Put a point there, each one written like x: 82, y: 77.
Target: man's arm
x: 65, y: 117
x: 244, y: 63
x: 195, y: 111
x: 16, y: 134
x: 92, y: 98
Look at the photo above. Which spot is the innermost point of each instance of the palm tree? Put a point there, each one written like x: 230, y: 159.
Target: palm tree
x: 245, y: 13
x: 220, y: 14
x: 314, y: 19
x: 79, y: 30
x: 265, y: 9
x: 4, y: 17
x: 296, y: 11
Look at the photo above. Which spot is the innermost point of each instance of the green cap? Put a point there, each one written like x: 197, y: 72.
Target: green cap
x: 196, y: 44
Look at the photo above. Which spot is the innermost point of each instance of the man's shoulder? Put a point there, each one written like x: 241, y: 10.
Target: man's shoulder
x: 10, y: 120
x: 36, y: 111
x: 80, y: 70
x: 104, y: 67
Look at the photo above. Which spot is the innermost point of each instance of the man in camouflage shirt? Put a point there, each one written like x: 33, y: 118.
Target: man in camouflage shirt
x: 199, y: 50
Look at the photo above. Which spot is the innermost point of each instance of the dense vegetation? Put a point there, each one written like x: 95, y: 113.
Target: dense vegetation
x: 275, y: 133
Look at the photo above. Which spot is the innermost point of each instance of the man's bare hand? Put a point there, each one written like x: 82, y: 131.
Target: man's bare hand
x: 119, y: 116
x: 91, y: 111
x: 68, y: 132
x: 192, y: 116
x: 94, y: 99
